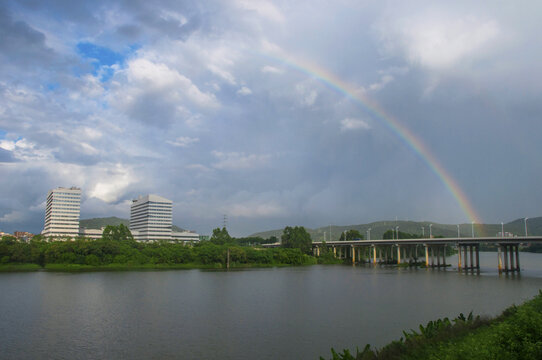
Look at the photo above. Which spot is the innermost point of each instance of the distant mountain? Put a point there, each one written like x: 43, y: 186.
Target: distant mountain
x: 98, y: 223
x: 516, y: 227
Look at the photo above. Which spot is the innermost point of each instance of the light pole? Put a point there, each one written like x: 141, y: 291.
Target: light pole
x: 369, y: 234
x: 472, y: 225
x: 502, y: 229
x: 345, y: 235
x: 458, y: 233
x: 430, y: 233
x: 397, y: 231
x: 324, y: 236
x: 526, y: 226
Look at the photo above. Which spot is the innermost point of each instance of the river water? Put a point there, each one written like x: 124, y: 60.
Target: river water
x: 278, y: 313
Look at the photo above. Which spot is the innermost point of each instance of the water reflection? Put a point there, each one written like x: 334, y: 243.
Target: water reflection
x: 287, y: 313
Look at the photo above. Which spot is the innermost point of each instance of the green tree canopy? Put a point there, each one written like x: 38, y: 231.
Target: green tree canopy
x: 390, y: 234
x: 117, y: 233
x: 351, y: 235
x: 220, y: 236
x: 297, y: 238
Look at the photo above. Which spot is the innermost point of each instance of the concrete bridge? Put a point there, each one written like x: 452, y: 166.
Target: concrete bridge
x: 433, y: 251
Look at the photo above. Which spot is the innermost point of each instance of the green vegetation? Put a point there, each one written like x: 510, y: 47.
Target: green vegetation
x: 333, y: 233
x: 297, y: 238
x: 98, y: 223
x: 351, y: 235
x: 515, y: 334
x: 117, y: 250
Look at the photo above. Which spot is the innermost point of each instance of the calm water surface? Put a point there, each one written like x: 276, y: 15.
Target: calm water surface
x: 281, y: 313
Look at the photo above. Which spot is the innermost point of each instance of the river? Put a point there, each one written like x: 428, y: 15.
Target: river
x: 276, y: 313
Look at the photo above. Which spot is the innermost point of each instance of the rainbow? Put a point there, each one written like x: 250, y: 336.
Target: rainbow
x: 403, y: 133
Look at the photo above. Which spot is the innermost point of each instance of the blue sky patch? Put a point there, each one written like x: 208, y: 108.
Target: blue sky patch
x: 101, y: 55
x: 101, y: 58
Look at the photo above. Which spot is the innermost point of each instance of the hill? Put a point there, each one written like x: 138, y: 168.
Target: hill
x: 98, y: 223
x: 516, y: 227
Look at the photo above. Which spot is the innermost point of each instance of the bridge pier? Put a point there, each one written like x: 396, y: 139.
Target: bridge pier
x: 471, y: 252
x: 507, y: 253
x: 334, y: 252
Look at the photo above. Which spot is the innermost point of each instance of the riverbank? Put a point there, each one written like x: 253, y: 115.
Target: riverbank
x: 515, y: 334
x: 133, y: 267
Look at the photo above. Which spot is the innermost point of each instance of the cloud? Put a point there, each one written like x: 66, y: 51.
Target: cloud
x: 263, y: 8
x: 13, y: 216
x: 254, y: 209
x: 183, y: 141
x: 239, y: 160
x: 272, y: 70
x: 384, y: 80
x: 154, y: 93
x: 437, y: 40
x: 111, y: 183
x: 6, y: 155
x: 354, y: 124
x: 307, y: 94
x: 21, y: 44
x: 244, y: 91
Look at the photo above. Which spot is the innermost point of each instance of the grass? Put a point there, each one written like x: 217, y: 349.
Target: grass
x: 515, y: 334
x: 19, y: 267
x: 14, y: 267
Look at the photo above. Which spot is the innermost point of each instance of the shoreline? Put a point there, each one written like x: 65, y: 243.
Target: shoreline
x: 515, y: 333
x: 11, y: 268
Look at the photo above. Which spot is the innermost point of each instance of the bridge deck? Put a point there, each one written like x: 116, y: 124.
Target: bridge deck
x: 434, y: 241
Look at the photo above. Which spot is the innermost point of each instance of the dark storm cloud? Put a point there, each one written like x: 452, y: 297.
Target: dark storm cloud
x: 6, y: 156
x: 20, y: 43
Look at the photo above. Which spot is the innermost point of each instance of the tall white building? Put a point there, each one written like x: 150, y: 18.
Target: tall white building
x: 62, y: 212
x: 151, y: 218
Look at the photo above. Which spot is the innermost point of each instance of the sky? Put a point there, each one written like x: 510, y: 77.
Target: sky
x: 264, y: 111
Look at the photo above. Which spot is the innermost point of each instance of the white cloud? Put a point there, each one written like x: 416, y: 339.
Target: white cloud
x: 112, y: 182
x: 244, y: 91
x: 272, y: 70
x: 224, y: 74
x: 438, y: 40
x: 354, y: 124
x: 183, y: 141
x: 263, y: 8
x: 239, y: 160
x: 143, y: 75
x: 384, y: 80
x: 306, y: 94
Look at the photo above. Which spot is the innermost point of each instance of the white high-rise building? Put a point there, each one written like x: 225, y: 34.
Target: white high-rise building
x: 151, y: 218
x: 62, y: 212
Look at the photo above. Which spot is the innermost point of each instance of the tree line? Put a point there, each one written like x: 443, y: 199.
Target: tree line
x: 117, y: 246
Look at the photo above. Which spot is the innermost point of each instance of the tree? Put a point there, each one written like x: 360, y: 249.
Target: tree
x: 220, y: 236
x: 117, y: 233
x: 296, y: 238
x: 351, y: 235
